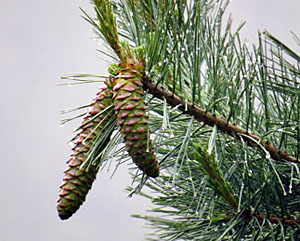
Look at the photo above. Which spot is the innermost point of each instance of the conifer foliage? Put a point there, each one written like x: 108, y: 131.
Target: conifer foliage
x: 225, y: 120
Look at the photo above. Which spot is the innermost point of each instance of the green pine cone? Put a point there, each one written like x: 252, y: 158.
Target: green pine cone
x: 77, y: 182
x: 130, y: 109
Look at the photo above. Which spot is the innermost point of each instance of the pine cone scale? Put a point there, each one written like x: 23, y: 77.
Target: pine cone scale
x: 128, y: 99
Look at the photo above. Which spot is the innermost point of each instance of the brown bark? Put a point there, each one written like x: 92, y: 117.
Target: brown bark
x: 274, y: 219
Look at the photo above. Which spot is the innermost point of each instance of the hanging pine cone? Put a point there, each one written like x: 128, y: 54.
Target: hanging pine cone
x: 77, y: 182
x: 128, y: 99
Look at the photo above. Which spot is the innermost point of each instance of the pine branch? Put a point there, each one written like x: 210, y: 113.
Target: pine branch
x: 274, y: 219
x: 211, y: 119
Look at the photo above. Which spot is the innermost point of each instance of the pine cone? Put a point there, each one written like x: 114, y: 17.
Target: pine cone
x: 77, y: 182
x: 130, y: 109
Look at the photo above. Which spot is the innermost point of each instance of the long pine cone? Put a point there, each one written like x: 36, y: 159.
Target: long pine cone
x: 130, y: 109
x: 77, y: 182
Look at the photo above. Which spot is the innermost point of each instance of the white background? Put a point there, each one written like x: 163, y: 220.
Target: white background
x: 40, y: 41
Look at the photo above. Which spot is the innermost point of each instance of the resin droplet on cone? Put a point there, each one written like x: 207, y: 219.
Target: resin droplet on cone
x: 130, y: 109
x: 77, y: 182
